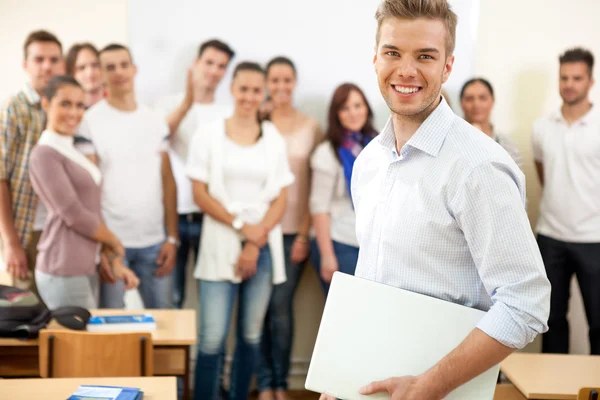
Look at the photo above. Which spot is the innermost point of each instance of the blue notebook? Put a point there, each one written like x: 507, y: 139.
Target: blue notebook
x: 90, y: 392
x: 122, y: 323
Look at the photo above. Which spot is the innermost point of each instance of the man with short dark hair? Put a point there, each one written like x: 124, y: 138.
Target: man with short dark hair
x: 139, y: 197
x: 197, y: 107
x: 566, y: 148
x: 22, y: 121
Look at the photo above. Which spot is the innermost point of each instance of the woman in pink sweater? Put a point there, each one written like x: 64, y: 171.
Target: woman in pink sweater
x: 69, y: 185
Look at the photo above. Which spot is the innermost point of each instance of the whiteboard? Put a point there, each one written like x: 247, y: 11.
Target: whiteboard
x: 330, y: 41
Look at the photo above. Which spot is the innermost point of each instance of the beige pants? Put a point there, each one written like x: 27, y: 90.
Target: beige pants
x: 31, y: 253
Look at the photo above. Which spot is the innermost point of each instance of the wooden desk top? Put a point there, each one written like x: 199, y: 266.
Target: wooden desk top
x: 154, y: 388
x: 551, y: 376
x: 173, y: 327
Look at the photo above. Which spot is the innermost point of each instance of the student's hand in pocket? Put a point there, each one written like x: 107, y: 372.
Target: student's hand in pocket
x: 246, y: 266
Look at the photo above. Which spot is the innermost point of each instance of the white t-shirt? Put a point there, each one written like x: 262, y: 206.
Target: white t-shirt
x: 198, y: 115
x: 569, y: 210
x: 245, y: 173
x: 39, y: 221
x: 129, y: 146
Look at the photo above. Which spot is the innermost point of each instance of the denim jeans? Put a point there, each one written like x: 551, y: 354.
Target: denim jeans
x: 155, y: 290
x: 347, y: 257
x: 217, y: 299
x: 278, y: 335
x: 189, y: 235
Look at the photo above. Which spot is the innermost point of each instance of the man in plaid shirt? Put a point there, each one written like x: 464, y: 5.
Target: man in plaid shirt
x: 22, y: 121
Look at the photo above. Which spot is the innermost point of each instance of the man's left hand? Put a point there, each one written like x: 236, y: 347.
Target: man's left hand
x: 404, y: 388
x: 166, y: 259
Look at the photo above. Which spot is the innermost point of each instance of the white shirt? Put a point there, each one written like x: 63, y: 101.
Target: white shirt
x: 129, y: 146
x: 446, y: 218
x: 245, y: 173
x: 220, y: 244
x: 329, y: 194
x: 570, y: 206
x: 198, y: 115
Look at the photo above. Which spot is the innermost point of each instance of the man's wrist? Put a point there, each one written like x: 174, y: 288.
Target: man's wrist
x: 435, y: 385
x: 174, y: 240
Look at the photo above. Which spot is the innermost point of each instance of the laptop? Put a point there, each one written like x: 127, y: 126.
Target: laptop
x: 370, y: 332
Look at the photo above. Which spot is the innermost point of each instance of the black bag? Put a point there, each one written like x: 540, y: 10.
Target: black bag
x: 23, y: 315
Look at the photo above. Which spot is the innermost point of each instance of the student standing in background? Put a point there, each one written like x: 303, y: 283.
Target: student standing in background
x: 139, y: 197
x: 186, y: 112
x: 301, y: 134
x: 566, y: 148
x: 69, y: 185
x: 477, y: 101
x: 83, y: 63
x: 349, y: 130
x: 240, y: 173
x: 22, y: 121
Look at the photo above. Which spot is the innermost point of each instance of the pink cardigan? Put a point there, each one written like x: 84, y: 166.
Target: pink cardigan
x: 73, y: 201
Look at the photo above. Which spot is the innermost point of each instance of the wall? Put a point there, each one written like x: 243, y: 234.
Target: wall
x: 518, y: 45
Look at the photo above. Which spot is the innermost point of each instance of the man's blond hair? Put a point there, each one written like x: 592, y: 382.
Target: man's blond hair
x: 413, y: 9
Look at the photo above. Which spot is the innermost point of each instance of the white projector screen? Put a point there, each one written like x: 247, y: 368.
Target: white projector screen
x: 330, y: 41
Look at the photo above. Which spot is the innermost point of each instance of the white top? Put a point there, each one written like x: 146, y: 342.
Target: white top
x: 220, y: 244
x: 329, y: 194
x: 198, y: 115
x: 129, y: 147
x: 39, y: 220
x: 569, y: 209
x: 245, y: 172
x: 446, y: 218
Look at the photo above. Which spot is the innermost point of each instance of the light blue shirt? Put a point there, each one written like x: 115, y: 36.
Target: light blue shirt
x: 446, y: 218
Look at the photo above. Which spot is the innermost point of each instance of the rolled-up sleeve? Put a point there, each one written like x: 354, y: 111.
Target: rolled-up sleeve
x: 323, y: 180
x: 52, y: 183
x: 489, y: 210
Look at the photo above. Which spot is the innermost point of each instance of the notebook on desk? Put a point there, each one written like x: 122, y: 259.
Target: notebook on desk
x: 371, y: 332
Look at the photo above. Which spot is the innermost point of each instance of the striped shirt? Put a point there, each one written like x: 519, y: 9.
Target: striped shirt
x: 446, y: 218
x: 22, y: 121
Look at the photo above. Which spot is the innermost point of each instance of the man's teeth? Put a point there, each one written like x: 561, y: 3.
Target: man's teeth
x: 406, y: 90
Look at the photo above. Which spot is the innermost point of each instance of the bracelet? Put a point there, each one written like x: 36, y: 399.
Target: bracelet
x: 302, y: 238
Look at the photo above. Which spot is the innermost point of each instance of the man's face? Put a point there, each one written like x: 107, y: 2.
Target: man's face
x: 43, y: 61
x: 210, y: 68
x: 411, y: 64
x: 575, y: 82
x: 119, y: 72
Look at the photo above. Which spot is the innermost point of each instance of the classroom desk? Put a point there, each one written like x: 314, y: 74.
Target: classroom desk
x: 551, y: 376
x: 154, y: 388
x: 175, y: 333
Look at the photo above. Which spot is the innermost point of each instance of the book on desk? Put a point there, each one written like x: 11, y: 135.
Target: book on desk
x: 122, y: 323
x: 90, y: 392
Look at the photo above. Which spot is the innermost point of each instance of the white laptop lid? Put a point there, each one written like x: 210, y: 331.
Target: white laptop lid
x: 370, y: 332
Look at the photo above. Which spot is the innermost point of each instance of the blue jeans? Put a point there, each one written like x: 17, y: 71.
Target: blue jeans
x: 347, y: 257
x: 217, y: 299
x: 278, y: 335
x: 155, y: 290
x: 190, y: 227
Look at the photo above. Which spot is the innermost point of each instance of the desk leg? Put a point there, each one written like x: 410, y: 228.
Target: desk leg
x: 186, y: 378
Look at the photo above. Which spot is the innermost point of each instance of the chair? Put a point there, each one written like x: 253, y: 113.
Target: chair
x: 66, y: 354
x: 589, y: 394
x: 507, y: 392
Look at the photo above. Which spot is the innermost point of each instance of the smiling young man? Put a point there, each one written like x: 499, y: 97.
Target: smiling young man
x: 440, y: 207
x: 566, y: 148
x: 22, y: 121
x: 139, y: 197
x: 185, y: 113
